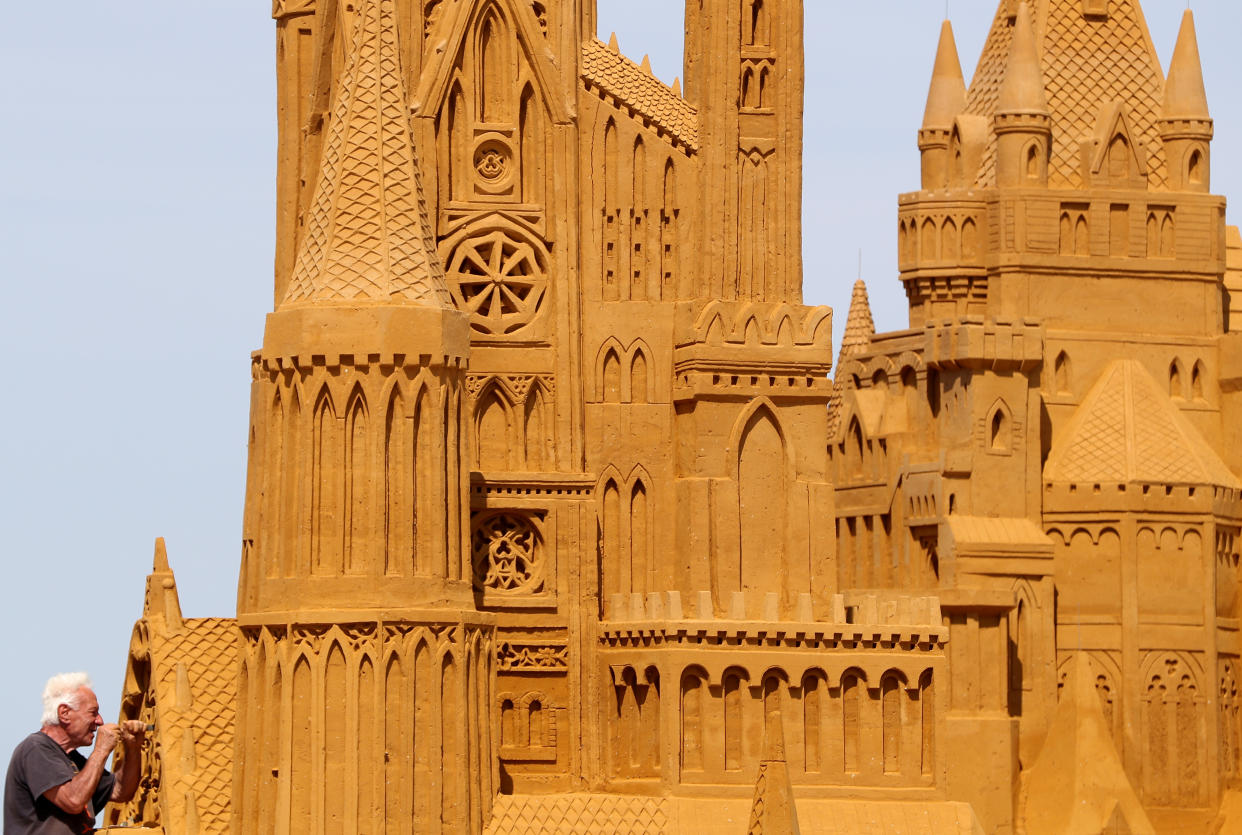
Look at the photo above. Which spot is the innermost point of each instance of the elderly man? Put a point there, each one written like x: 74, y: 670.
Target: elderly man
x: 51, y: 789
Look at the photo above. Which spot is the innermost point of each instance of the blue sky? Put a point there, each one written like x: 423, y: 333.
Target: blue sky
x: 138, y: 188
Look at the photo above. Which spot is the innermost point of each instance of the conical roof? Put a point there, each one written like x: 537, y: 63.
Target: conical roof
x: 1128, y: 431
x: 946, y: 97
x: 859, y: 326
x: 1087, y: 64
x: 368, y: 237
x: 859, y: 329
x: 1022, y: 89
x: 1184, y: 94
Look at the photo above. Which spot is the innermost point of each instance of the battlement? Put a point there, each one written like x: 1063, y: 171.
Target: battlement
x: 940, y: 233
x: 975, y: 342
x: 853, y: 621
x: 1141, y: 497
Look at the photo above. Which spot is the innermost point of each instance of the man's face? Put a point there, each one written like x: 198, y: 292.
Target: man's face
x: 80, y: 724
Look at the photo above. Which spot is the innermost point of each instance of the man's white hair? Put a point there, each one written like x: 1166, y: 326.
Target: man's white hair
x: 63, y: 689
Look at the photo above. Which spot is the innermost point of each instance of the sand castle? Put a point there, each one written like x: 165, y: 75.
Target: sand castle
x: 556, y: 522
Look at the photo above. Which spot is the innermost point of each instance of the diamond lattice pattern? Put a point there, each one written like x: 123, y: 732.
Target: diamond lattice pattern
x: 1088, y: 64
x: 368, y: 236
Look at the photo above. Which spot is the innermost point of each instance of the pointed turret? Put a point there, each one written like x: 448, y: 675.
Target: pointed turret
x: 773, y: 811
x: 1022, y: 90
x: 161, y: 605
x: 859, y: 326
x: 368, y: 235
x: 337, y: 537
x: 1023, y: 123
x: 1078, y: 783
x: 1185, y: 121
x: 946, y: 98
x: 1184, y: 93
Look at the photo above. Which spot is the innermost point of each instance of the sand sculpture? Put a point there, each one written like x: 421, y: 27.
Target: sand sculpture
x: 555, y: 523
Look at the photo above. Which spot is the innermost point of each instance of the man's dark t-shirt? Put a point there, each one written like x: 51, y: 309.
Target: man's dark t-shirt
x: 39, y: 764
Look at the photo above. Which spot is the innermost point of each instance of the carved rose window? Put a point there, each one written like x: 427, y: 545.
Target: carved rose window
x: 508, y: 553
x: 498, y: 279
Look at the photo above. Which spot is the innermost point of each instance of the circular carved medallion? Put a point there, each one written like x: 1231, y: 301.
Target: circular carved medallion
x: 498, y: 278
x: 492, y: 162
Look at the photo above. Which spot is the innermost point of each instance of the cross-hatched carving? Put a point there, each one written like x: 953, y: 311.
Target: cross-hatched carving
x: 1077, y: 81
x: 368, y: 236
x: 580, y: 814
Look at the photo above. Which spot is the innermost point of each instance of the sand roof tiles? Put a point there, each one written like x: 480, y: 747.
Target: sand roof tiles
x: 1127, y: 430
x: 649, y: 97
x: 206, y: 649
x: 1088, y: 64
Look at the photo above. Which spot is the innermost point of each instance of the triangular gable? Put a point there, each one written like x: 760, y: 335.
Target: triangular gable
x: 189, y: 693
x: 1078, y: 783
x: 868, y: 406
x: 1115, y: 120
x: 449, y: 37
x: 1127, y: 430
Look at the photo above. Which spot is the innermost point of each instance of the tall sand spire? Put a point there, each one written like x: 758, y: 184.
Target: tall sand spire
x: 368, y: 236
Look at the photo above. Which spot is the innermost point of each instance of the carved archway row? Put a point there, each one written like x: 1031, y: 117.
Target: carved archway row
x: 1174, y: 729
x: 858, y: 457
x: 950, y: 238
x: 835, y: 728
x: 763, y: 323
x: 513, y: 422
x: 1188, y: 386
x: 626, y: 523
x: 325, y: 441
x: 625, y: 374
x: 1076, y: 234
x: 528, y: 725
x: 402, y: 695
x: 1106, y: 669
x: 639, y: 213
x: 634, y: 722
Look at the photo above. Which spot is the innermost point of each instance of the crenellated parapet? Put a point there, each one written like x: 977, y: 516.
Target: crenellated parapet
x: 979, y: 343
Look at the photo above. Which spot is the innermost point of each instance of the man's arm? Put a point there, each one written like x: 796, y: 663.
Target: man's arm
x: 132, y: 733
x: 75, y: 795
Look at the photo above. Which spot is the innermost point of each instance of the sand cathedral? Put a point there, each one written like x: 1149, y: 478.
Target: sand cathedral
x: 556, y: 522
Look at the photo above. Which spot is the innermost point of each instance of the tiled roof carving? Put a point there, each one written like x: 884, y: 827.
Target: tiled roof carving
x: 627, y: 82
x: 1088, y: 64
x: 1127, y: 430
x: 580, y: 814
x: 207, y: 650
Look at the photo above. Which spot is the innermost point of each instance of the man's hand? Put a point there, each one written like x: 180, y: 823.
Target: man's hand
x: 133, y: 732
x: 106, y: 738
